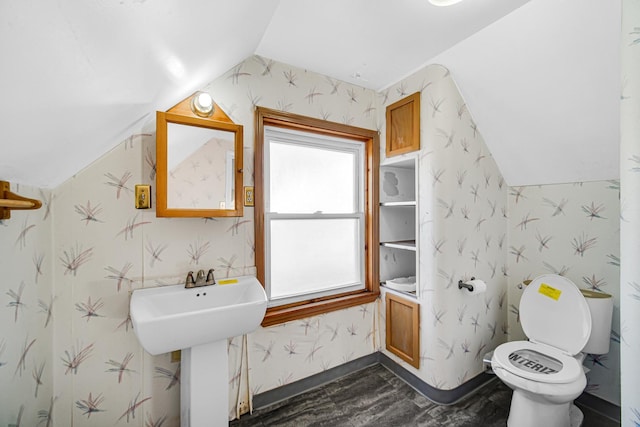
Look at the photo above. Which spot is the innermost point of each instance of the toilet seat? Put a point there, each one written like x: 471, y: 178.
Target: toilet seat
x: 554, y: 312
x: 569, y: 371
x: 556, y: 319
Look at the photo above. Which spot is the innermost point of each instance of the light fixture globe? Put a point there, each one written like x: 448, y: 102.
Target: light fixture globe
x: 202, y: 104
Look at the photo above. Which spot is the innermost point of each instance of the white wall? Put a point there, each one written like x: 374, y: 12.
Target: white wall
x: 100, y: 373
x: 95, y: 223
x: 502, y: 222
x: 547, y: 224
x: 26, y: 298
x: 630, y: 212
x: 289, y: 352
x: 462, y: 230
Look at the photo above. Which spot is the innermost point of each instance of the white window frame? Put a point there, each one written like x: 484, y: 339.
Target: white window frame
x: 310, y: 139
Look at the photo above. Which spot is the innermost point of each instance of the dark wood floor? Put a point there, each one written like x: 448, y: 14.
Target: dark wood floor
x: 376, y: 397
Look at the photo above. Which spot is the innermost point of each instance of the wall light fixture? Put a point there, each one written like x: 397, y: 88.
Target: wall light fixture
x: 202, y: 104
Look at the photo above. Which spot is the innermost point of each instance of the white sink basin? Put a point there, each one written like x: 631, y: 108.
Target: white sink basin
x: 169, y: 318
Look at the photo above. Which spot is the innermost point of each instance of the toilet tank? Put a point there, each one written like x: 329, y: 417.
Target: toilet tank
x: 601, y: 308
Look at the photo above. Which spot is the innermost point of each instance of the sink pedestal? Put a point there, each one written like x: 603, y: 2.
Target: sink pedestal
x: 204, y: 385
x: 199, y: 321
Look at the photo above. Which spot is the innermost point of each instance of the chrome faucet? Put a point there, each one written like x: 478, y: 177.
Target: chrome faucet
x: 200, y: 279
x: 210, y: 279
x: 190, y: 282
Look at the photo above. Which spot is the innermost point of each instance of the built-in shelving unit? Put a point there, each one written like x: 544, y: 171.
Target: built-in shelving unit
x: 398, y: 257
x: 398, y: 205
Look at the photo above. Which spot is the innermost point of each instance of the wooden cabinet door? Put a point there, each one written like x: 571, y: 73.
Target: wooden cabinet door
x: 403, y: 125
x: 403, y: 326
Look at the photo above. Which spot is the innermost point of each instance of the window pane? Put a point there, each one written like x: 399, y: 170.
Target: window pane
x: 314, y: 255
x: 305, y: 179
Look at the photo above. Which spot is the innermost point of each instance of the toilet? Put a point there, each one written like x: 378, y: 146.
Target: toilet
x: 563, y: 324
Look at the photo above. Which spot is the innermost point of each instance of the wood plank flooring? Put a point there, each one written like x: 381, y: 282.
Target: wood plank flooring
x: 374, y: 396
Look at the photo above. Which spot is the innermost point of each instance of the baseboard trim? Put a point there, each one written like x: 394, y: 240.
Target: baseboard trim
x: 301, y: 386
x: 442, y: 397
x: 601, y: 406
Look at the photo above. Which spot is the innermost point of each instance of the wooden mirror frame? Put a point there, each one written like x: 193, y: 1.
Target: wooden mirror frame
x: 181, y: 114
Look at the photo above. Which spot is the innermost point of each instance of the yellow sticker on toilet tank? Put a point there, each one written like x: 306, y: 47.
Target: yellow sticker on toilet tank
x: 549, y: 291
x: 227, y: 281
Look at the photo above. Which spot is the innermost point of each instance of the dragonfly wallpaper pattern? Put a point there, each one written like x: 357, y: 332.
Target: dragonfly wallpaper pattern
x: 462, y: 234
x: 572, y: 230
x: 630, y: 211
x: 473, y: 224
x: 68, y: 355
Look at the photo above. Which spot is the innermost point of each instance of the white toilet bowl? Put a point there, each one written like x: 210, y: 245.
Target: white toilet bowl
x: 545, y: 373
x: 539, y: 399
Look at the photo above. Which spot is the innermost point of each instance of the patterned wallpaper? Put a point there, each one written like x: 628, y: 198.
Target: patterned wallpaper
x: 285, y: 353
x: 572, y: 230
x: 472, y: 224
x: 97, y: 248
x: 81, y: 255
x: 462, y: 230
x: 26, y: 306
x: 630, y: 211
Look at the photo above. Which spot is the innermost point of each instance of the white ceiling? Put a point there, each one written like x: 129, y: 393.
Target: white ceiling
x: 382, y: 41
x: 541, y: 78
x: 543, y: 85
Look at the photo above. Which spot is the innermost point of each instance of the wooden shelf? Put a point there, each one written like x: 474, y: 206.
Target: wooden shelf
x: 405, y: 203
x: 407, y: 245
x: 398, y: 291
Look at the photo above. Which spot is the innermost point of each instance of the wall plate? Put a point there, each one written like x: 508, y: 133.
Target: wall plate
x: 143, y: 196
x: 249, y: 196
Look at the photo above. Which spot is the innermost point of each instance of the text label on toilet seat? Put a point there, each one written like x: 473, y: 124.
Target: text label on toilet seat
x: 530, y: 365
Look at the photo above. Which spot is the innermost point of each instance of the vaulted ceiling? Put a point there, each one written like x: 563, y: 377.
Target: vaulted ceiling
x: 540, y: 77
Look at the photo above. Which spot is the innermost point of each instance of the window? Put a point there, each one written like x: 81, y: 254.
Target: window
x: 316, y: 193
x: 314, y: 215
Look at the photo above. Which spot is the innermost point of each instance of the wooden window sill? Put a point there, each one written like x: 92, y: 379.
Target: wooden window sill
x: 287, y: 313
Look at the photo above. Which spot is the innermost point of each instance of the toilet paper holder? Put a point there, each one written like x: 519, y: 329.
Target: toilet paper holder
x: 468, y: 286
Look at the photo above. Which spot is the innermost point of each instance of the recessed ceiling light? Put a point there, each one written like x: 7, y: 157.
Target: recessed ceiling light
x: 444, y: 2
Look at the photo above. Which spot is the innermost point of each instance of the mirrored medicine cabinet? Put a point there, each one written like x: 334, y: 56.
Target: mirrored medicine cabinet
x: 199, y: 164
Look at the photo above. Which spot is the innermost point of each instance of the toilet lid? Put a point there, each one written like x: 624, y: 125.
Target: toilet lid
x: 554, y: 312
x: 536, y: 362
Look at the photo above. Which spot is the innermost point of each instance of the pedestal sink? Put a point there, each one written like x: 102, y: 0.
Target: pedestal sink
x: 198, y: 321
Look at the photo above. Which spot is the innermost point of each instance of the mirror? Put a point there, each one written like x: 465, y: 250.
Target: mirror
x: 199, y: 167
